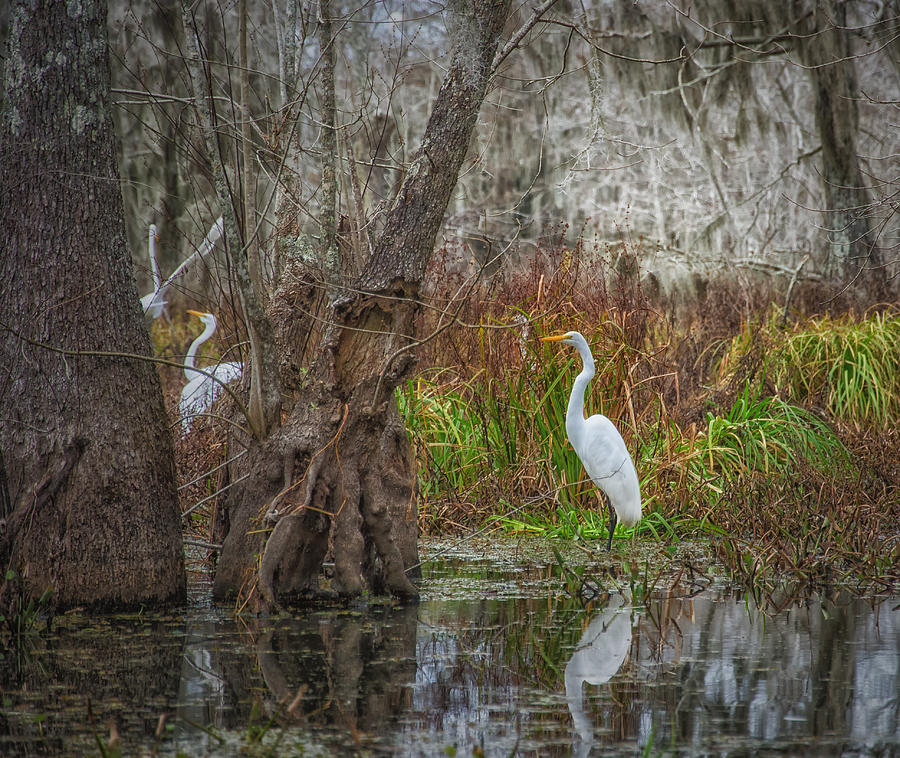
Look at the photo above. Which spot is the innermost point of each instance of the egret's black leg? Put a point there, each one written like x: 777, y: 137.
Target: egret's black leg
x: 613, y: 518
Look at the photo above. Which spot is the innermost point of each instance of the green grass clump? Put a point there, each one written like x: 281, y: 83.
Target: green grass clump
x: 447, y: 436
x: 764, y: 434
x: 695, y: 475
x: 592, y: 525
x: 847, y: 366
x: 851, y: 366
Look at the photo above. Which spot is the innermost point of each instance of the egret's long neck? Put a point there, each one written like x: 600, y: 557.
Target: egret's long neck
x: 154, y: 265
x: 575, y: 411
x: 192, y: 350
x: 575, y: 696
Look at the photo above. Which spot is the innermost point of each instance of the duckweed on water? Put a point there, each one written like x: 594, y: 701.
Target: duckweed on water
x: 495, y: 656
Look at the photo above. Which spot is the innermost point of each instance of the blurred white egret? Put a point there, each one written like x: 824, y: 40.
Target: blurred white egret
x: 201, y: 391
x: 154, y: 303
x: 206, y: 247
x: 599, y: 445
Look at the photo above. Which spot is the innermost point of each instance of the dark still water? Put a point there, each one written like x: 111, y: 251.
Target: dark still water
x: 497, y: 657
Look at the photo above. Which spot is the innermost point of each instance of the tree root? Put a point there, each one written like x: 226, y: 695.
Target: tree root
x: 357, y: 509
x: 349, y: 544
x: 377, y: 517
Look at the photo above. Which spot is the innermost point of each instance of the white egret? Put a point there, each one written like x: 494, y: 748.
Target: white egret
x: 206, y: 247
x: 201, y: 391
x: 154, y: 303
x: 599, y: 445
x: 153, y: 236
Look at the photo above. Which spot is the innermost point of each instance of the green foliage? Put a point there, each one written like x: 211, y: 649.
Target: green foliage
x: 23, y: 615
x: 764, y: 434
x: 851, y: 366
x: 506, y: 433
x: 446, y: 433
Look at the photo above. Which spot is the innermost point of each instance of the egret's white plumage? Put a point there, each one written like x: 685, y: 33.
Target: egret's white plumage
x: 599, y: 445
x: 152, y: 236
x: 201, y: 390
x: 154, y: 303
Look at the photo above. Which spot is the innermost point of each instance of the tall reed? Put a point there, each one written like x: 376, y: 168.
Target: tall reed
x: 851, y: 366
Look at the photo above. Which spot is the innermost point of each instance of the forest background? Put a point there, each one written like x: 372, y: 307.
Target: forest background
x: 696, y: 128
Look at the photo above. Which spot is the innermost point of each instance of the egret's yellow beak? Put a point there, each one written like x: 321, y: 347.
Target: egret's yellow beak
x: 554, y: 338
x: 199, y: 314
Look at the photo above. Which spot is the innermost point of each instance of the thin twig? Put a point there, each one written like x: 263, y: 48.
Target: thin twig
x: 212, y: 470
x: 214, y: 494
x: 519, y: 35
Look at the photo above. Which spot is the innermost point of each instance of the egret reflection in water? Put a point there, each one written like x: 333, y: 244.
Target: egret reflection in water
x: 485, y: 662
x: 599, y: 655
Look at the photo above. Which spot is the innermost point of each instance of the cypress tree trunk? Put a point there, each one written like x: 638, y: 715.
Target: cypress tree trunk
x: 853, y: 257
x: 339, y: 474
x: 93, y: 509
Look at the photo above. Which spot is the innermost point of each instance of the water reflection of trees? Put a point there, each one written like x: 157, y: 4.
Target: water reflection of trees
x: 541, y: 676
x: 339, y: 670
x: 350, y: 671
x: 484, y: 668
x: 87, y: 678
x: 693, y: 671
x: 721, y: 667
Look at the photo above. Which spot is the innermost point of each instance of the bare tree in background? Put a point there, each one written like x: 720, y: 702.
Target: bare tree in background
x: 691, y: 127
x: 853, y: 255
x: 92, y: 512
x: 769, y: 92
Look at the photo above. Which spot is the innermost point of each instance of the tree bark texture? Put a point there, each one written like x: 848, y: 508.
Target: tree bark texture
x: 93, y: 508
x: 853, y: 257
x: 338, y: 476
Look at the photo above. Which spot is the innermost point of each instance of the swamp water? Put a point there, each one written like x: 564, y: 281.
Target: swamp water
x: 498, y: 657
